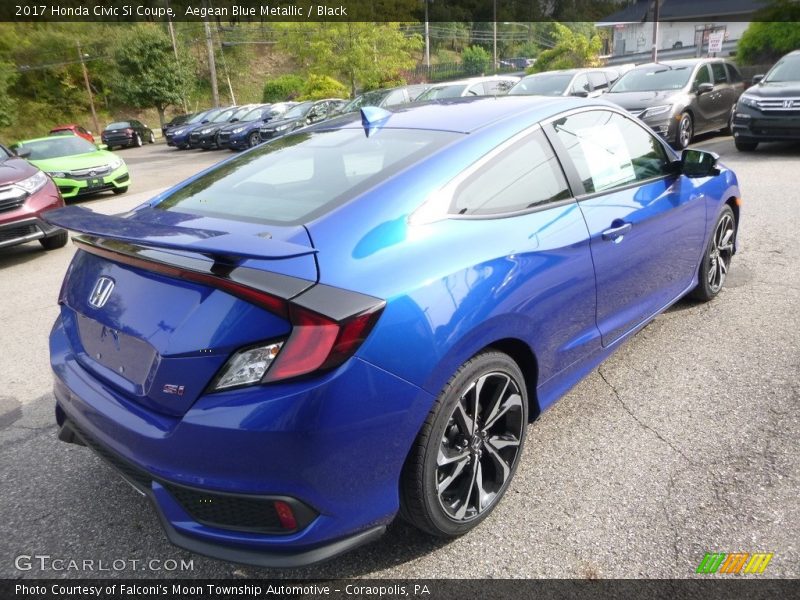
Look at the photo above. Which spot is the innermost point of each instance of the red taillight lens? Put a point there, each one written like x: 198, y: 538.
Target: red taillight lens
x: 309, y: 344
x: 285, y: 515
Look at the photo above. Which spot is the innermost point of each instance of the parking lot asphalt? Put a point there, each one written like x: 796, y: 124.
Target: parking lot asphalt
x: 684, y: 442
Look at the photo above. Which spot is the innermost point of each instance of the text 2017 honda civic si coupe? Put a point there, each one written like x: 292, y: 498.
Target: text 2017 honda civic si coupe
x: 360, y: 318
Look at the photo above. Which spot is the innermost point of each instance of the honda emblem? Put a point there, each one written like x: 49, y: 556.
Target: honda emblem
x: 101, y: 291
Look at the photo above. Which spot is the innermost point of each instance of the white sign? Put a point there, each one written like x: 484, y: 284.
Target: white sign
x: 715, y: 42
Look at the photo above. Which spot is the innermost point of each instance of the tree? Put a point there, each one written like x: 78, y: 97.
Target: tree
x: 319, y: 87
x: 282, y: 88
x: 476, y: 60
x: 364, y: 55
x: 765, y: 42
x: 148, y: 72
x: 7, y: 103
x: 572, y: 49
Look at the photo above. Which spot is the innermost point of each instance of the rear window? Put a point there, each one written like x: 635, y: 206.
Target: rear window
x: 119, y: 125
x: 301, y: 176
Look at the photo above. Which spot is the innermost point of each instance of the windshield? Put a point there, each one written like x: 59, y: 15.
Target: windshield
x: 120, y: 125
x: 541, y: 85
x: 253, y: 115
x: 303, y: 175
x: 298, y: 111
x: 653, y: 79
x: 198, y: 117
x: 787, y: 69
x: 57, y: 146
x: 224, y: 116
x: 241, y: 112
x: 369, y: 99
x: 445, y: 91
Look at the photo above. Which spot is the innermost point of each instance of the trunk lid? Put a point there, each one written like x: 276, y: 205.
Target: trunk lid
x: 155, y: 333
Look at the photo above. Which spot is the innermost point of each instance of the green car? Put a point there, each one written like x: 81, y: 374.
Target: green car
x: 76, y: 165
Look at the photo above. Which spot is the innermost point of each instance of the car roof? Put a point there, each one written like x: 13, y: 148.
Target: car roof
x: 680, y: 62
x: 471, y: 80
x: 67, y: 126
x: 470, y: 114
x: 46, y: 138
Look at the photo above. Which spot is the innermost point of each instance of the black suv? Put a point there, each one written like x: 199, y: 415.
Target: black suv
x: 770, y: 110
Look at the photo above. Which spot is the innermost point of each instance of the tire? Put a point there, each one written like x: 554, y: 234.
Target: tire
x: 745, y: 146
x: 685, y: 132
x: 728, y: 129
x: 109, y: 147
x: 445, y: 450
x: 152, y: 138
x: 717, y: 257
x: 254, y: 140
x: 137, y: 141
x: 120, y: 190
x: 53, y: 242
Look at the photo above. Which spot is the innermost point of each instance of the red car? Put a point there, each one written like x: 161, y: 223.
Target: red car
x: 72, y: 129
x: 25, y: 193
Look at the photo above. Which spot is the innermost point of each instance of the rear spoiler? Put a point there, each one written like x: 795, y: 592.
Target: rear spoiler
x: 215, y: 244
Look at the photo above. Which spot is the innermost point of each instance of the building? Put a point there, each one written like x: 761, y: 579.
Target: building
x: 683, y: 29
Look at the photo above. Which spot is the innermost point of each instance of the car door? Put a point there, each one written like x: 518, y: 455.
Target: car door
x: 647, y: 228
x: 726, y: 94
x: 706, y: 105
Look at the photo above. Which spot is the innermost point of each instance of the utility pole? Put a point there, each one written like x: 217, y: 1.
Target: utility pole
x: 655, y: 29
x: 427, y: 38
x: 212, y: 65
x: 494, y: 39
x: 175, y: 50
x: 88, y: 88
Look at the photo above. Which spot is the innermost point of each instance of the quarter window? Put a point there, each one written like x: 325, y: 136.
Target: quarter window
x: 609, y: 150
x: 525, y: 175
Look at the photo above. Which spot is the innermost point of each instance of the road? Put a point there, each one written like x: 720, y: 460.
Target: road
x: 684, y: 442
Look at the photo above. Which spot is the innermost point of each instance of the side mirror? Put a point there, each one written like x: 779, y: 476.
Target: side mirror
x: 102, y: 147
x: 22, y: 152
x: 580, y: 93
x: 704, y: 88
x: 757, y: 78
x: 699, y: 163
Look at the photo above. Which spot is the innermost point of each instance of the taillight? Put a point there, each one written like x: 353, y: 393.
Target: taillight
x: 316, y: 342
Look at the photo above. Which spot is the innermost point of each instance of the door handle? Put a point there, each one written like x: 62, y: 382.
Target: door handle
x: 615, y: 233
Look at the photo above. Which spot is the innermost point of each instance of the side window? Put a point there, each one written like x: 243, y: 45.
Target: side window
x: 525, y: 175
x: 581, y: 84
x: 609, y: 150
x: 720, y: 75
x: 702, y: 76
x: 598, y: 80
x: 612, y: 76
x: 733, y: 73
x: 476, y: 90
x: 499, y: 86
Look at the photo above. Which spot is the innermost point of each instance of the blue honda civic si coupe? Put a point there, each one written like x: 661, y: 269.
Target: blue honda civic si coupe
x: 359, y: 319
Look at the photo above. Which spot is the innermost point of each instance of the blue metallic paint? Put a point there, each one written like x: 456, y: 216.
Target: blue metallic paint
x: 338, y: 441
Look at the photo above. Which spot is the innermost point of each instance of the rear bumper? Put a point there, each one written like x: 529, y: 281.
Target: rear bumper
x: 119, y: 141
x: 336, y: 443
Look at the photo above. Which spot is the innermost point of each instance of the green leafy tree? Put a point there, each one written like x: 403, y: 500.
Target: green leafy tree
x: 476, y: 60
x: 7, y: 104
x: 765, y: 42
x: 364, y: 55
x: 572, y: 49
x: 282, y: 88
x: 149, y: 74
x: 318, y: 87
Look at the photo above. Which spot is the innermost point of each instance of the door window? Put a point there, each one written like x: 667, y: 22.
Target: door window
x: 720, y: 75
x: 609, y: 150
x: 598, y: 80
x: 702, y: 76
x: 733, y: 73
x: 525, y: 175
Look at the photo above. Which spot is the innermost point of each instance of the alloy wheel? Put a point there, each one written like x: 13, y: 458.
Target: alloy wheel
x: 685, y: 130
x: 720, y: 253
x: 480, y: 446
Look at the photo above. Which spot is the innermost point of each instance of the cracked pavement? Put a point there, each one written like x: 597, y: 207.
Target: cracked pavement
x: 683, y: 442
